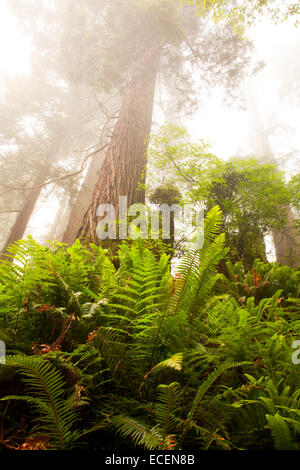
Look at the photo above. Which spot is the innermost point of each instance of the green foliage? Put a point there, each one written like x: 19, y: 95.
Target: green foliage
x: 280, y: 433
x: 191, y: 360
x: 46, y: 394
x: 262, y: 281
x: 44, y: 287
x: 253, y: 197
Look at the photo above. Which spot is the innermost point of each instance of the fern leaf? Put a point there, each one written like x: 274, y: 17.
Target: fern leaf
x: 139, y: 433
x: 47, y: 390
x: 280, y: 432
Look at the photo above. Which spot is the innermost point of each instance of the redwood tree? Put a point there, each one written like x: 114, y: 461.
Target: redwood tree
x: 286, y: 239
x: 125, y: 159
x: 161, y: 39
x: 122, y: 45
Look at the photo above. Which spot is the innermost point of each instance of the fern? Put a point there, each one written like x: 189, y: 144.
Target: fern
x: 197, y: 270
x: 168, y: 408
x: 139, y: 433
x: 134, y: 311
x: 202, y: 390
x: 280, y: 433
x: 58, y: 414
x: 151, y: 349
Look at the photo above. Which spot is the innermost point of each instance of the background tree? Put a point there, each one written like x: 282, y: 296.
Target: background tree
x: 48, y: 130
x: 286, y: 240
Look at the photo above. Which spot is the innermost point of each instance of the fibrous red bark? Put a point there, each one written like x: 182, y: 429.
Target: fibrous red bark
x: 125, y: 160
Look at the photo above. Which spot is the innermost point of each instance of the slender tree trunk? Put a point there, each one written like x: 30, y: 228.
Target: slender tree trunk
x: 58, y: 219
x: 286, y: 240
x: 125, y: 159
x: 63, y: 222
x: 82, y: 201
x: 20, y: 225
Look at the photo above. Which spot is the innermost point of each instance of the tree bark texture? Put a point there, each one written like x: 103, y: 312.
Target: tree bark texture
x: 18, y: 230
x: 125, y: 160
x: 287, y: 243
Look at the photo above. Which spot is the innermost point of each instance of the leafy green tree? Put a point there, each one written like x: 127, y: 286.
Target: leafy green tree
x: 248, y: 12
x: 294, y: 184
x: 251, y: 195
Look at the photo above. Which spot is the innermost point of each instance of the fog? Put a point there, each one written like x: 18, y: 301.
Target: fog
x: 266, y: 101
x: 150, y: 228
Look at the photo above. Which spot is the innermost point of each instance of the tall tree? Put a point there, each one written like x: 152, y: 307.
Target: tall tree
x: 39, y: 111
x: 161, y: 38
x: 125, y: 159
x: 79, y: 207
x: 42, y: 126
x: 286, y: 239
x: 32, y: 138
x: 18, y: 229
x: 250, y: 194
x: 78, y: 40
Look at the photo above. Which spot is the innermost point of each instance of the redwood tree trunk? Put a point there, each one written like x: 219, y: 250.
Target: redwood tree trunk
x: 53, y: 233
x: 82, y: 201
x: 125, y: 159
x: 287, y: 243
x: 286, y: 240
x: 20, y: 225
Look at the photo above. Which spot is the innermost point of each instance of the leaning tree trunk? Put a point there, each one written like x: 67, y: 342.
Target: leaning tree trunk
x: 18, y: 230
x: 82, y: 201
x: 53, y: 233
x: 125, y: 160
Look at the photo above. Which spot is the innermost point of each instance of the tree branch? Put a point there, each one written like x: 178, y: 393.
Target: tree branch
x: 60, y: 178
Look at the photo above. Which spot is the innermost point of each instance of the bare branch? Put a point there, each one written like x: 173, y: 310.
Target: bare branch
x: 9, y: 212
x: 69, y: 175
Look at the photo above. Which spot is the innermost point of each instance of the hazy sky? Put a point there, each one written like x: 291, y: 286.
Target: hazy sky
x: 226, y: 128
x: 14, y: 46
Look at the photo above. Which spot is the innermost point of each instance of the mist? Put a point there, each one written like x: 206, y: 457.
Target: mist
x: 150, y: 228
x: 265, y: 100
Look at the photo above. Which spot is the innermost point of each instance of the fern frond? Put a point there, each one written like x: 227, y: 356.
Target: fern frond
x: 47, y: 391
x: 139, y: 433
x: 174, y: 362
x: 204, y: 387
x: 280, y: 433
x: 168, y: 408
